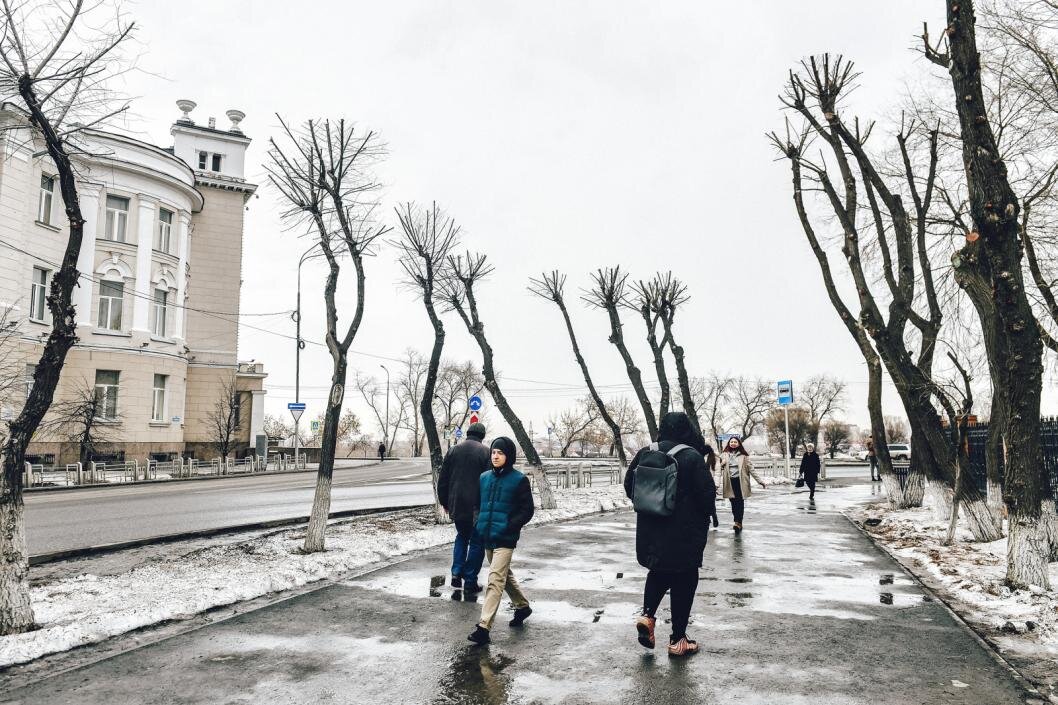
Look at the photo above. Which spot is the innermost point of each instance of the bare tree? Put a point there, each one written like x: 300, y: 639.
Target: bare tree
x: 574, y: 424
x: 467, y: 271
x: 223, y: 418
x: 411, y: 392
x: 428, y: 238
x: 896, y: 430
x: 389, y: 417
x: 989, y: 269
x: 822, y: 395
x: 625, y: 413
x: 277, y: 427
x: 456, y: 383
x: 551, y: 286
x: 837, y: 433
x: 13, y: 388
x: 712, y: 394
x: 671, y: 293
x: 750, y: 401
x: 801, y: 428
x: 79, y: 418
x: 646, y: 300
x: 610, y: 293
x: 323, y: 173
x: 57, y: 62
x: 900, y: 236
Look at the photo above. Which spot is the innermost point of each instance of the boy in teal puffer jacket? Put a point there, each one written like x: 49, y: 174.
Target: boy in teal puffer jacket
x: 506, y: 505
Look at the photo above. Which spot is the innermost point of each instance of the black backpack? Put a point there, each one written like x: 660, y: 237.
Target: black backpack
x: 654, y: 482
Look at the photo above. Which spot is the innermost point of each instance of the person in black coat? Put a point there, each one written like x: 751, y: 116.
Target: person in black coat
x: 671, y: 547
x: 810, y: 469
x: 458, y: 490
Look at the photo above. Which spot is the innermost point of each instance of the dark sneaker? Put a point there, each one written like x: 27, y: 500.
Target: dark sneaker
x: 471, y: 588
x: 520, y: 615
x: 479, y: 636
x: 457, y: 582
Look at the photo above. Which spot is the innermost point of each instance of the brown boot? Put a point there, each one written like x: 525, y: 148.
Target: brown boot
x: 645, y: 627
x: 738, y: 527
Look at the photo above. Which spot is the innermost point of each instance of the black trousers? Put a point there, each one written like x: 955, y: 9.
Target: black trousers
x: 680, y: 586
x: 811, y: 482
x: 738, y: 503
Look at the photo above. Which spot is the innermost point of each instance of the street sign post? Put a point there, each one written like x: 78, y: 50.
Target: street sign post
x: 296, y: 409
x: 459, y: 433
x: 784, y: 395
x: 474, y: 403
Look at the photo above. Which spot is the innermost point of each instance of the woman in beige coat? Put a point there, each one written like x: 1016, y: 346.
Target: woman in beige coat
x: 736, y: 465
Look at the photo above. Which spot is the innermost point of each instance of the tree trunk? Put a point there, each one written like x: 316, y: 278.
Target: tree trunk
x: 433, y: 441
x: 995, y: 255
x: 658, y: 351
x: 615, y: 429
x: 321, y: 501
x: 16, y: 614
x: 994, y: 456
x: 634, y: 375
x: 689, y: 407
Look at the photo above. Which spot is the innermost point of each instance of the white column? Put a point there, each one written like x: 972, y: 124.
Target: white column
x: 183, y: 249
x: 141, y: 307
x: 88, y: 197
x: 256, y: 414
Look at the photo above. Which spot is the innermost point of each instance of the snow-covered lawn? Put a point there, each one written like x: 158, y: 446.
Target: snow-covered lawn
x: 1023, y: 624
x: 89, y: 608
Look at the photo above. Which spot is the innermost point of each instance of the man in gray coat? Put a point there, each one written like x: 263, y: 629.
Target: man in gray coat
x: 458, y: 489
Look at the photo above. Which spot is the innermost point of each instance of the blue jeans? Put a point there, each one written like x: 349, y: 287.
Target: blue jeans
x: 468, y: 553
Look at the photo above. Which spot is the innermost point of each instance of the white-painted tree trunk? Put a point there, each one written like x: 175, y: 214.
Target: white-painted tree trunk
x: 940, y: 499
x: 1050, y: 522
x: 893, y: 491
x: 995, y: 501
x: 543, y: 487
x: 15, y: 608
x: 981, y: 522
x: 321, y: 510
x: 915, y: 490
x: 1027, y: 551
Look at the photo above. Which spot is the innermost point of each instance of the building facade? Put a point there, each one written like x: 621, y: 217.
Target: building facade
x: 158, y: 300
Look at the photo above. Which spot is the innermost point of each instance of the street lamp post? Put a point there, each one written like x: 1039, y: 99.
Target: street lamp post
x: 299, y: 344
x: 385, y: 431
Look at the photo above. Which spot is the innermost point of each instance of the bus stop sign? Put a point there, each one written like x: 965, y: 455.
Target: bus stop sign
x: 785, y: 392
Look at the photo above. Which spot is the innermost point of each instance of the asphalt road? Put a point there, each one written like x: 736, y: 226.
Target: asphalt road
x: 799, y: 609
x: 61, y: 520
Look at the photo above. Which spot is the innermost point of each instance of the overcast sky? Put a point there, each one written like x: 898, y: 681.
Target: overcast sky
x: 569, y: 135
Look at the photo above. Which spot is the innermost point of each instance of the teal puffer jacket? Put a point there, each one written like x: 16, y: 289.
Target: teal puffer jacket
x: 506, y: 506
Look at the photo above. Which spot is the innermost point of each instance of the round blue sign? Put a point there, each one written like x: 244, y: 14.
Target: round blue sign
x: 474, y: 403
x: 459, y: 433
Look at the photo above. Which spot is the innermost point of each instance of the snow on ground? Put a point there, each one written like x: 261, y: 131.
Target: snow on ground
x: 1023, y: 624
x: 87, y: 609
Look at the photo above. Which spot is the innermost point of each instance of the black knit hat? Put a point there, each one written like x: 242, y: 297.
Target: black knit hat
x: 507, y: 447
x: 476, y: 431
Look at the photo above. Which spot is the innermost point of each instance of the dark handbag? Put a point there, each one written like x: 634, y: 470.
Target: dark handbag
x: 800, y: 482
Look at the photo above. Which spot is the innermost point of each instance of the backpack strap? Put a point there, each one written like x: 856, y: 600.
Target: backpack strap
x: 676, y: 449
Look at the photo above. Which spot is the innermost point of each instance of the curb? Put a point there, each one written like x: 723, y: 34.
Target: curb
x: 1020, y: 678
x: 44, y: 558
x: 114, y: 485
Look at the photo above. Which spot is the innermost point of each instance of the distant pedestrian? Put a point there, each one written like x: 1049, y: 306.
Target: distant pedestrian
x: 381, y: 452
x: 872, y: 458
x: 670, y: 546
x: 506, y: 507
x: 735, y: 471
x: 810, y: 469
x: 459, y: 491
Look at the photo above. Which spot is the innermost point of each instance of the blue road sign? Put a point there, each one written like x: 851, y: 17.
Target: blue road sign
x: 295, y: 406
x: 785, y: 392
x: 474, y: 403
x: 459, y: 433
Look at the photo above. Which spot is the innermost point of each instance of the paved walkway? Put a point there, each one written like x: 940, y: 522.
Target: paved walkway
x: 801, y: 609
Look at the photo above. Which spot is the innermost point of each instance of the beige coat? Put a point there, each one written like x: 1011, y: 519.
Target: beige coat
x: 745, y: 472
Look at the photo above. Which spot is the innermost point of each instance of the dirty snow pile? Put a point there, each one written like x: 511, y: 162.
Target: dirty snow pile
x: 88, y: 608
x: 970, y: 577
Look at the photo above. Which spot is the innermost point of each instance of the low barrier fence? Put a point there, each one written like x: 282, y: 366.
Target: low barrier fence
x: 100, y: 473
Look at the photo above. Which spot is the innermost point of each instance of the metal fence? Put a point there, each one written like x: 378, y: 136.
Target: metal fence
x: 977, y: 440
x: 98, y: 473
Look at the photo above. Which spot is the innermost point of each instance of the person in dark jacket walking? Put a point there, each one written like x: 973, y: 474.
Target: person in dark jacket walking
x: 810, y: 469
x: 381, y: 452
x: 671, y: 547
x: 458, y: 487
x: 506, y: 507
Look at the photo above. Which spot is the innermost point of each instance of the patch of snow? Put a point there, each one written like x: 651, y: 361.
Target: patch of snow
x: 87, y: 608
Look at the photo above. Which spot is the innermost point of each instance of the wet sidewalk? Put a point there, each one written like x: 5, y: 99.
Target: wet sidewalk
x: 800, y: 609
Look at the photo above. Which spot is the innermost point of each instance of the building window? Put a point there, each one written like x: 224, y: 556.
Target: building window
x: 47, y: 195
x: 203, y: 160
x: 158, y: 405
x: 165, y: 231
x: 215, y: 164
x: 38, y: 294
x: 30, y: 371
x: 117, y: 218
x: 159, y: 310
x: 111, y: 295
x: 107, y: 394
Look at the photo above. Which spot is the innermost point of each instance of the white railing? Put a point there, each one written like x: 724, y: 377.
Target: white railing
x: 581, y: 473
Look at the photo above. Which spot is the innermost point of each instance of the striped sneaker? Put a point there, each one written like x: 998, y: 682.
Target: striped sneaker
x: 683, y: 647
x: 645, y: 627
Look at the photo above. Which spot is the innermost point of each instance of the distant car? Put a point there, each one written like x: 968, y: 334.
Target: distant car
x: 900, y: 451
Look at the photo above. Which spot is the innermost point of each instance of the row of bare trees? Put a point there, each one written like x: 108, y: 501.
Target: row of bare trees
x: 957, y: 205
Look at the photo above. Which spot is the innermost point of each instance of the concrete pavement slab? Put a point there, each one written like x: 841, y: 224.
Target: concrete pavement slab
x: 801, y: 608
